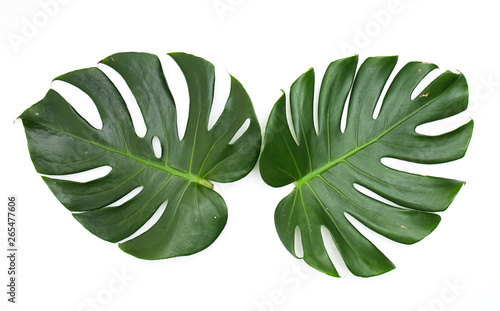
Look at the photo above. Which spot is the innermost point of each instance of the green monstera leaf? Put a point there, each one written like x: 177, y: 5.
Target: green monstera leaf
x: 61, y: 142
x: 327, y: 165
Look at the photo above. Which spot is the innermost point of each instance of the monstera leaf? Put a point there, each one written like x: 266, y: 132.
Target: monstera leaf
x: 61, y: 142
x: 329, y: 167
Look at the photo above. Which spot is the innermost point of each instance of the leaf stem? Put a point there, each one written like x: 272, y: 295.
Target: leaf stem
x: 188, y: 176
x: 330, y: 164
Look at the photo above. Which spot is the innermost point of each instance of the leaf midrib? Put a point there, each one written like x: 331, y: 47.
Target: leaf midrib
x: 188, y: 176
x: 317, y: 172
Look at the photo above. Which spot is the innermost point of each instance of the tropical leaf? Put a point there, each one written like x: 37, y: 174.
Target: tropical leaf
x: 61, y: 142
x: 329, y: 166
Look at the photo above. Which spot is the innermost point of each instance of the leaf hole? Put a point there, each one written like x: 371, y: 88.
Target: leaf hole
x: 80, y: 101
x: 424, y: 83
x: 243, y: 128
x: 288, y: 110
x: 177, y: 84
x: 380, y: 101
x: 320, y: 72
x: 150, y: 223
x: 221, y: 95
x: 383, y: 243
x: 129, y: 98
x: 298, y: 247
x: 84, y: 176
x: 333, y: 252
x: 408, y: 166
x: 155, y: 142
x: 369, y: 193
x: 129, y: 196
x: 345, y: 111
x: 443, y: 126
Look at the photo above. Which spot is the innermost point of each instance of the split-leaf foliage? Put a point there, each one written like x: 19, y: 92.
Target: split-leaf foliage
x: 329, y: 166
x: 61, y: 142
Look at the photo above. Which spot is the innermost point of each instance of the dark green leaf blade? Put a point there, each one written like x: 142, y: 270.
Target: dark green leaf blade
x: 61, y: 142
x: 330, y: 167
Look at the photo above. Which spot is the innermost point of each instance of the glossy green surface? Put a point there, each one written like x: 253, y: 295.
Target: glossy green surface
x: 326, y: 165
x: 61, y: 142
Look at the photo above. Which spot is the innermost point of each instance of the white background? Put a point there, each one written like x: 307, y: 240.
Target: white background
x: 266, y: 45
